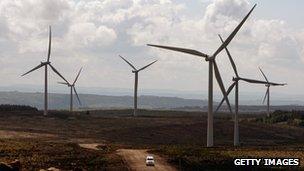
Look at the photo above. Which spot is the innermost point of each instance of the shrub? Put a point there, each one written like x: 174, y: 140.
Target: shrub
x: 284, y: 116
x: 9, y: 107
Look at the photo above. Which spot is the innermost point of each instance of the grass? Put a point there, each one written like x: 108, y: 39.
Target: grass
x: 293, y: 118
x: 180, y: 136
x: 195, y: 157
x: 35, y: 154
x: 187, y: 157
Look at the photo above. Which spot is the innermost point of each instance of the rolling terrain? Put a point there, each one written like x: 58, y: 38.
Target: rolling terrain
x: 90, y: 101
x: 59, y: 101
x: 179, y: 137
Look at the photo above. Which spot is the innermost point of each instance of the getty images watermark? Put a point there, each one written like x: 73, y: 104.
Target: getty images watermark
x: 267, y: 162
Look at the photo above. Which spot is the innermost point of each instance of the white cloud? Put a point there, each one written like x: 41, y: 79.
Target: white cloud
x: 83, y: 35
x: 300, y: 41
x: 93, y: 32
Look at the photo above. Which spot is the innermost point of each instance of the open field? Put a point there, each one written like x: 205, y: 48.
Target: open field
x: 180, y: 137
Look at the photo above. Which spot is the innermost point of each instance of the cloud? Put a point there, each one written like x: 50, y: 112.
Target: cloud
x: 93, y: 32
x: 300, y: 42
x: 27, y: 16
x: 83, y: 35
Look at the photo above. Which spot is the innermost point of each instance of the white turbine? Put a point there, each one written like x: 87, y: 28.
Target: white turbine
x: 235, y: 84
x: 46, y: 64
x: 72, y: 88
x: 212, y: 65
x: 267, y: 94
x: 136, y: 71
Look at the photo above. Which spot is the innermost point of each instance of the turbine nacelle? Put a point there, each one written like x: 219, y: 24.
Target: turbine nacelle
x: 236, y: 78
x: 209, y: 58
x: 45, y: 63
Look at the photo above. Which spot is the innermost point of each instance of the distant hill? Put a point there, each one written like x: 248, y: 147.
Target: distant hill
x: 92, y: 101
x: 262, y: 108
x: 61, y: 101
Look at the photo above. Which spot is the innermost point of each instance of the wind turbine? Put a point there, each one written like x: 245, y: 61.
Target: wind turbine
x: 267, y: 94
x: 46, y: 64
x: 212, y: 65
x: 235, y: 84
x: 72, y: 88
x: 136, y: 71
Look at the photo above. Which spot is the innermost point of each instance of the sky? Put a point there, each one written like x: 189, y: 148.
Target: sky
x: 92, y: 33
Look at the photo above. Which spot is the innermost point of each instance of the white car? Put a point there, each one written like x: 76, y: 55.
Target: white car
x: 150, y: 161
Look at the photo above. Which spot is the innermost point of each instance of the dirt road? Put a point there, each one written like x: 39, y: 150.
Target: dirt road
x: 92, y: 146
x: 136, y: 160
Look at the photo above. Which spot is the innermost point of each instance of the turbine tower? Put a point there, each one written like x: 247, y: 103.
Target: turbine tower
x: 212, y: 65
x: 267, y: 94
x: 72, y: 88
x: 46, y: 64
x: 136, y: 71
x: 235, y: 85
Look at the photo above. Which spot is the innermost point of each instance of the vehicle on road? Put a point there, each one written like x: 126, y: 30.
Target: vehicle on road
x: 150, y: 161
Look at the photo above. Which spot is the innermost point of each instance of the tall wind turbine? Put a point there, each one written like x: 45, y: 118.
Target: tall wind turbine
x: 46, y: 64
x: 235, y: 84
x: 267, y: 94
x: 136, y: 71
x: 72, y: 88
x: 212, y: 65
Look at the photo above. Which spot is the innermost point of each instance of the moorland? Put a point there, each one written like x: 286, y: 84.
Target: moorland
x: 56, y: 140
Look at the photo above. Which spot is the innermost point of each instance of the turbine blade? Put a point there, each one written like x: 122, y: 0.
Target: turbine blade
x: 278, y: 84
x: 221, y: 85
x: 147, y: 65
x: 128, y: 62
x: 263, y: 74
x: 63, y: 83
x: 77, y: 95
x: 183, y: 50
x: 231, y: 36
x: 230, y: 58
x: 228, y: 92
x: 253, y: 81
x: 77, y: 76
x: 261, y: 82
x: 50, y: 43
x: 266, y: 94
x: 37, y: 67
x: 54, y: 69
